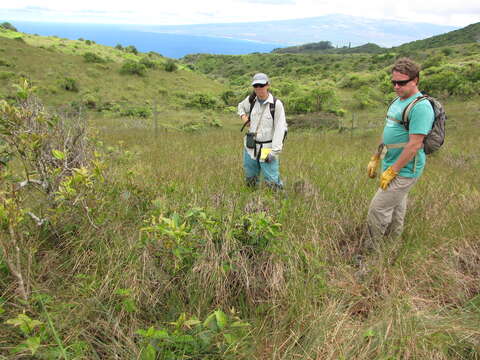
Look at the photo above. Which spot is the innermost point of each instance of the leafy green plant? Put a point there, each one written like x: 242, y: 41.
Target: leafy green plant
x: 30, y: 329
x: 219, y: 336
x: 258, y: 230
x: 172, y: 237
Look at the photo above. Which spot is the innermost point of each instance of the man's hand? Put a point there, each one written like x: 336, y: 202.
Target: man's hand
x: 244, y: 118
x: 373, y: 166
x: 387, y: 177
x: 270, y: 158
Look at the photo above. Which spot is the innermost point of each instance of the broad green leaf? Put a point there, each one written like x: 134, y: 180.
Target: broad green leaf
x: 210, y: 322
x: 222, y: 319
x: 57, y: 154
x: 33, y: 343
x: 149, y: 353
x: 230, y: 338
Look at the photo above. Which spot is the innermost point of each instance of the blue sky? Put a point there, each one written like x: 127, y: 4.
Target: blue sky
x: 458, y: 13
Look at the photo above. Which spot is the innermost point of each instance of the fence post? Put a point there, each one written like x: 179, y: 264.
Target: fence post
x: 353, y: 121
x: 155, y: 117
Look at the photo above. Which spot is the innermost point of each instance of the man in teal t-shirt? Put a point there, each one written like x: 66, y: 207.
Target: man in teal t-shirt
x: 404, y: 160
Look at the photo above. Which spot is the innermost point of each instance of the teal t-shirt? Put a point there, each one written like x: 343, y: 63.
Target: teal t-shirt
x: 421, y: 120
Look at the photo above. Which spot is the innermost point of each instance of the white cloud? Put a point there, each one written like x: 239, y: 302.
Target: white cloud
x: 459, y: 13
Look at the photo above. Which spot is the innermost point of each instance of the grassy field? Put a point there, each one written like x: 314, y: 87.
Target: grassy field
x: 155, y: 249
x: 172, y: 230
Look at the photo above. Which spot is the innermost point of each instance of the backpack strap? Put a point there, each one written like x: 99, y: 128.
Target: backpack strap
x: 272, y: 109
x: 406, y: 112
x: 251, y: 99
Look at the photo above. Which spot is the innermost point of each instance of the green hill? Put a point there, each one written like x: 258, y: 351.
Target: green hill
x: 466, y: 35
x: 325, y: 47
x: 103, y: 79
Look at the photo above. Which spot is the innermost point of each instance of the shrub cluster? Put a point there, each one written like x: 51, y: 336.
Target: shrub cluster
x: 69, y: 84
x: 91, y: 57
x: 133, y: 67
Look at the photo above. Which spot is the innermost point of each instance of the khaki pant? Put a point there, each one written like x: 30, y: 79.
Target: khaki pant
x: 387, y: 210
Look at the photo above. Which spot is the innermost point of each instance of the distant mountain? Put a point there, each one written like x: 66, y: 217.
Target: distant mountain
x: 468, y: 34
x: 340, y: 30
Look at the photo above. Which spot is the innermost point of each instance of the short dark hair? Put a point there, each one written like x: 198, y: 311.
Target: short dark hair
x: 408, y: 67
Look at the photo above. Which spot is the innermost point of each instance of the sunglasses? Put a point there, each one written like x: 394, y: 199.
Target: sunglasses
x: 401, y: 82
x: 259, y: 85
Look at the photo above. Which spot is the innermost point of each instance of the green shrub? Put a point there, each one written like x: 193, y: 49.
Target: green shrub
x: 19, y: 39
x: 148, y: 63
x: 69, y: 84
x: 202, y: 101
x: 137, y: 111
x: 436, y: 60
x: 219, y: 336
x: 325, y: 97
x: 355, y: 81
x: 90, y: 101
x: 286, y: 88
x: 170, y: 66
x: 133, y: 67
x: 229, y: 98
x: 300, y: 104
x: 91, y: 57
x: 443, y: 83
x: 447, y: 51
x: 5, y: 75
x: 131, y: 49
x: 119, y: 47
x: 88, y: 42
x: 366, y: 98
x: 8, y: 26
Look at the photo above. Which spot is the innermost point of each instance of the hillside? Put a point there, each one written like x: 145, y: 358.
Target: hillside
x: 105, y: 80
x: 119, y: 241
x: 325, y: 47
x: 466, y: 35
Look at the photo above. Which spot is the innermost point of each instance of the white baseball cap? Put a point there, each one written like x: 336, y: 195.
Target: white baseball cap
x: 260, y: 78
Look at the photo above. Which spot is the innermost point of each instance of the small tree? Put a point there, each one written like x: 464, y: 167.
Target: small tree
x: 131, y: 49
x: 8, y: 26
x: 52, y: 157
x: 170, y: 66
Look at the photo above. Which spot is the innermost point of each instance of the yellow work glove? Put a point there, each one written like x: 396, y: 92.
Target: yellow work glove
x: 373, y: 166
x: 387, y: 177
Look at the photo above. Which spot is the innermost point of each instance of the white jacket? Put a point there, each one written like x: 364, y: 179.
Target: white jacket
x: 267, y: 129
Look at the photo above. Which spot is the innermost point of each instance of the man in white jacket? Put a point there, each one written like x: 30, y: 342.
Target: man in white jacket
x: 263, y: 143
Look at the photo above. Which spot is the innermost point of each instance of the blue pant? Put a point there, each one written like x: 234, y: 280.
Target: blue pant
x: 252, y: 169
